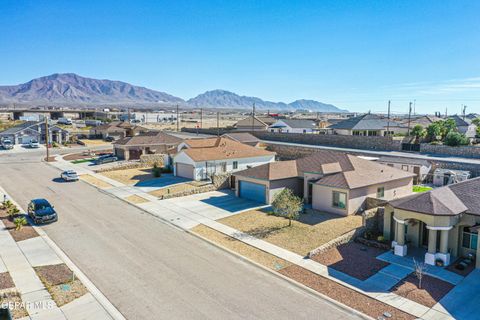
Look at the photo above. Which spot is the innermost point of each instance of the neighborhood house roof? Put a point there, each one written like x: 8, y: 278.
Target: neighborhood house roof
x: 365, y: 122
x: 256, y: 122
x: 339, y: 170
x: 460, y: 122
x: 295, y: 123
x: 241, y: 137
x: 449, y: 200
x: 149, y: 138
x: 403, y: 160
x: 221, y: 149
x: 20, y: 127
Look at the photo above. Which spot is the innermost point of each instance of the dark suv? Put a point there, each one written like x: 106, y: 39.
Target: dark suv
x: 41, y: 211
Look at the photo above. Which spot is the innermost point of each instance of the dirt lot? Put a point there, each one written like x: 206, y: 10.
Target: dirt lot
x: 130, y: 176
x: 311, y: 231
x: 349, y: 297
x: 94, y: 143
x: 95, y: 181
x: 136, y: 199
x: 353, y: 259
x: 241, y: 248
x: 433, y: 289
x: 81, y: 155
x: 183, y: 187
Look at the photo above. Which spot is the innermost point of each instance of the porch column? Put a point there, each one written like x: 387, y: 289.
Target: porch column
x: 432, y: 241
x: 444, y: 241
x: 399, y: 246
x: 432, y: 255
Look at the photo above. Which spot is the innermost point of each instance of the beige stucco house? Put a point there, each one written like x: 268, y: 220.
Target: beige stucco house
x: 132, y: 148
x: 331, y: 181
x: 444, y: 222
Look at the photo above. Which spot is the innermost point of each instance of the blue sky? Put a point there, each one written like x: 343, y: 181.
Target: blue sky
x: 355, y: 54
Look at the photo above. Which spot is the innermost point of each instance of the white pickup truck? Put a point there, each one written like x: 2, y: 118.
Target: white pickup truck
x: 7, y: 144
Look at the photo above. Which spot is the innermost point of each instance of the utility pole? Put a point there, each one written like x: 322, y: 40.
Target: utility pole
x: 388, y: 119
x: 177, y: 119
x: 253, y: 117
x: 446, y: 112
x: 409, y: 115
x: 414, y: 105
x: 218, y: 123
x: 464, y: 110
x: 201, y: 117
x: 46, y: 139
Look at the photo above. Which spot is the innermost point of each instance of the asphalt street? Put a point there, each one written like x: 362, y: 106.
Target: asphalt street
x: 148, y: 269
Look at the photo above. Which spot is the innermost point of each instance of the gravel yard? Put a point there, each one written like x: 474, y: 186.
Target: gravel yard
x: 349, y: 297
x: 25, y: 233
x: 259, y: 256
x: 433, y: 289
x: 178, y: 188
x: 354, y: 259
x: 130, y: 176
x: 311, y: 231
x: 136, y: 199
x: 6, y: 281
x: 95, y: 181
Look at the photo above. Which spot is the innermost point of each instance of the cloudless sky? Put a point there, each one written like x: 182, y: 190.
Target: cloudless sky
x: 354, y: 54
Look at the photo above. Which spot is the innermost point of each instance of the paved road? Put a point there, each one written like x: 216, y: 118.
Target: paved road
x: 150, y: 270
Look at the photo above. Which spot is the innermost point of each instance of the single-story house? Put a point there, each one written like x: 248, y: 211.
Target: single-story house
x: 368, y: 125
x: 331, y: 181
x: 198, y: 159
x: 443, y: 177
x: 443, y: 222
x: 131, y: 148
x: 34, y: 130
x: 294, y: 126
x: 420, y: 167
x: 117, y: 130
x: 254, y: 123
x: 465, y: 126
x: 243, y: 137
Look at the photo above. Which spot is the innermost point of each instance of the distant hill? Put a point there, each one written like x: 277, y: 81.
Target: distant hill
x: 227, y: 99
x: 72, y: 89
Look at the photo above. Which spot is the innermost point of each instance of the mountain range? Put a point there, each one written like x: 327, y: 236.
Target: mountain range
x: 72, y: 89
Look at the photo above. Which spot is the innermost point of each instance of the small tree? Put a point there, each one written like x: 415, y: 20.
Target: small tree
x: 286, y: 204
x: 12, y: 212
x: 19, y: 223
x: 418, y: 131
x: 157, y: 172
x: 454, y: 139
x: 420, y: 269
x: 448, y: 126
x: 434, y: 131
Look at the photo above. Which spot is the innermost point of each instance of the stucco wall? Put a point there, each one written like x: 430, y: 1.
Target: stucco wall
x: 322, y: 200
x: 277, y: 186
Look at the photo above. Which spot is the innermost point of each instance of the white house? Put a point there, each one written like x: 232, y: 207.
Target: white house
x: 293, y: 126
x: 198, y: 159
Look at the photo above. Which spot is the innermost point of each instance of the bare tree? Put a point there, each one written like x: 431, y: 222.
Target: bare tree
x: 420, y: 269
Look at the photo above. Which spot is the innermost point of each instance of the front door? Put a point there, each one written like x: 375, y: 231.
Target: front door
x: 424, y: 238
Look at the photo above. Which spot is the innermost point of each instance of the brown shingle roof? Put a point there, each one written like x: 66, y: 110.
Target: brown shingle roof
x: 449, y: 200
x: 242, y: 137
x: 272, y: 171
x: 221, y: 149
x: 150, y: 138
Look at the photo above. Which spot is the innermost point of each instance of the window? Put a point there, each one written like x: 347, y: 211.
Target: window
x: 380, y: 192
x: 339, y: 200
x: 470, y: 238
x: 404, y: 167
x: 235, y: 165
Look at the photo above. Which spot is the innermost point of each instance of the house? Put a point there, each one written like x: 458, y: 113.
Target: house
x: 34, y: 130
x: 254, y: 123
x: 293, y: 126
x: 420, y: 167
x: 443, y: 223
x: 465, y: 126
x: 443, y: 177
x: 422, y: 120
x: 198, y: 159
x: 368, y: 125
x: 131, y: 148
x: 117, y: 130
x: 331, y: 181
x: 243, y: 137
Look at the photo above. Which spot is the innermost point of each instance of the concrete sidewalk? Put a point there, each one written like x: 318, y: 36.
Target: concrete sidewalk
x: 20, y: 258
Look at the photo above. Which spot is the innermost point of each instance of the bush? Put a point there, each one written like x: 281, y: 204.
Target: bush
x: 454, y: 139
x: 19, y: 223
x: 286, y: 204
x: 12, y: 212
x: 157, y: 172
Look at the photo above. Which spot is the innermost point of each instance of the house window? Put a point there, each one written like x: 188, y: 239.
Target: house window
x: 470, y: 238
x: 404, y: 167
x: 304, y: 131
x: 380, y: 192
x: 235, y: 165
x: 339, y: 200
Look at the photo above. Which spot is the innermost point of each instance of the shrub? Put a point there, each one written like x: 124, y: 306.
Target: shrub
x: 157, y: 172
x: 454, y: 139
x: 12, y: 212
x: 19, y: 223
x: 286, y: 204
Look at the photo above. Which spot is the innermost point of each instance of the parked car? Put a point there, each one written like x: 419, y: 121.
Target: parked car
x: 109, y: 139
x: 41, y: 211
x: 64, y: 121
x: 69, y: 175
x: 106, y: 158
x: 34, y: 144
x: 7, y: 144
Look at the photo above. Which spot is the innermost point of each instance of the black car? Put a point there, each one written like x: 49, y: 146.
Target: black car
x: 106, y: 159
x: 41, y: 211
x: 109, y: 139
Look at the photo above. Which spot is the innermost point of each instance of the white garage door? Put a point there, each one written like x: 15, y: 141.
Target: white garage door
x: 184, y: 170
x: 25, y: 139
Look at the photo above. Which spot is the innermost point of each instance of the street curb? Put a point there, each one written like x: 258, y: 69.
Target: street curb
x: 281, y: 276
x: 278, y: 275
x: 96, y: 293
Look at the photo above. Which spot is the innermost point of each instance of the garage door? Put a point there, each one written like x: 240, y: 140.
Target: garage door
x: 25, y: 139
x: 134, y: 154
x: 252, y: 191
x: 184, y: 170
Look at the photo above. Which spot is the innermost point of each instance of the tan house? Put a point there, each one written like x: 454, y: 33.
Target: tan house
x: 254, y: 123
x: 243, y: 137
x: 331, y: 181
x: 367, y: 125
x: 443, y: 223
x: 117, y: 130
x: 131, y: 148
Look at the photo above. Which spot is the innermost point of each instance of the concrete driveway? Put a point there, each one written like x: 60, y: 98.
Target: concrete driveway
x: 188, y: 212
